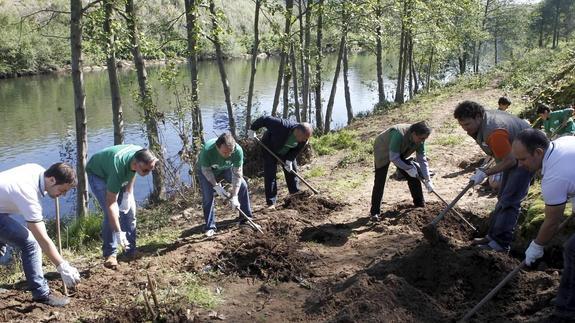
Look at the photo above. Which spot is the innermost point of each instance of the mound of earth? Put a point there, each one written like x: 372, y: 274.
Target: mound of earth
x: 437, y: 283
x: 450, y: 229
x: 312, y: 206
x: 265, y: 259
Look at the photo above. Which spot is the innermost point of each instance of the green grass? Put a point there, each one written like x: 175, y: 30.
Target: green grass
x: 450, y: 140
x: 332, y: 142
x: 316, y: 171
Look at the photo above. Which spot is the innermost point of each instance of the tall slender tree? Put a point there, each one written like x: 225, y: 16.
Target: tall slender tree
x: 318, y: 68
x: 117, y: 113
x: 193, y: 33
x: 79, y: 106
x: 146, y: 102
x: 254, y: 62
x: 216, y: 30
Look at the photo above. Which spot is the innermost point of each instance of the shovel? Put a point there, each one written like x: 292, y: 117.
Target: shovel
x: 251, y: 223
x: 283, y: 164
x: 505, y: 280
x: 430, y: 230
x: 59, y: 236
x: 454, y: 210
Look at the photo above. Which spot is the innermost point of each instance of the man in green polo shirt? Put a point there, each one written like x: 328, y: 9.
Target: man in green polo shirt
x: 395, y: 145
x: 112, y: 174
x: 556, y: 123
x: 222, y: 158
x: 286, y: 139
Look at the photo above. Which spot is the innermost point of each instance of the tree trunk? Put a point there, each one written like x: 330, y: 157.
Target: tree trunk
x: 430, y: 63
x: 410, y: 66
x: 330, y: 102
x: 287, y: 76
x: 295, y: 85
x: 379, y: 56
x: 255, y: 47
x: 301, y: 58
x: 220, y: 59
x: 79, y: 106
x: 399, y: 88
x: 556, y: 25
x: 541, y: 32
x: 117, y: 114
x: 306, y: 93
x: 191, y: 7
x: 150, y: 113
x: 346, y: 86
x: 284, y: 57
x: 318, y: 105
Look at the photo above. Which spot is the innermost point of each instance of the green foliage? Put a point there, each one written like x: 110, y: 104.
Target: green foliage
x: 332, y: 142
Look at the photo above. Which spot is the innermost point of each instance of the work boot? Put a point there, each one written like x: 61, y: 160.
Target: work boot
x: 53, y: 300
x: 111, y: 262
x: 493, y: 245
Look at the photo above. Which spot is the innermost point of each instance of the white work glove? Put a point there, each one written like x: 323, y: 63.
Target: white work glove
x: 2, y: 249
x: 70, y: 275
x: 121, y: 240
x: 252, y: 134
x: 534, y: 252
x: 128, y: 203
x: 234, y: 202
x: 289, y: 166
x: 412, y: 172
x: 429, y: 185
x: 478, y: 177
x: 221, y: 191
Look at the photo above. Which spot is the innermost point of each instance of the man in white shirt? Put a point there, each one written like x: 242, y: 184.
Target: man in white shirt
x: 21, y: 191
x: 555, y: 159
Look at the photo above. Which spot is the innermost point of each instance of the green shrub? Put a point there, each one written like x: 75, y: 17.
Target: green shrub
x: 332, y: 142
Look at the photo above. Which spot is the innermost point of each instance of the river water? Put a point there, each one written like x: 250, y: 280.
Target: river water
x: 37, y: 113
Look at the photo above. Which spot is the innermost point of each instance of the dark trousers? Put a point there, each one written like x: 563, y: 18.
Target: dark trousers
x: 565, y: 301
x: 379, y: 185
x: 514, y: 187
x: 270, y: 179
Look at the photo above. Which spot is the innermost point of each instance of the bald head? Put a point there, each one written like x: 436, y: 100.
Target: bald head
x: 303, y: 132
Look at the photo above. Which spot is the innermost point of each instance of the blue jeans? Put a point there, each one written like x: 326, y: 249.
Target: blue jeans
x: 18, y: 236
x: 565, y: 301
x: 127, y: 220
x: 270, y: 180
x: 208, y: 198
x: 514, y: 187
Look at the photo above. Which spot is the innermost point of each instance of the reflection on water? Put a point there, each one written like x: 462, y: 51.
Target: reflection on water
x: 37, y: 117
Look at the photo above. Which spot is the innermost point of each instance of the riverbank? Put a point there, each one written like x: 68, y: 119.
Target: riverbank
x: 320, y: 258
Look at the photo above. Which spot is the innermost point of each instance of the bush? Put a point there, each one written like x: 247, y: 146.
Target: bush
x: 78, y: 233
x: 330, y: 143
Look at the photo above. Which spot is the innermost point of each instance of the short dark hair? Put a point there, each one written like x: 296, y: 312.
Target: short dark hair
x: 227, y: 139
x: 63, y: 173
x: 504, y: 100
x: 468, y: 110
x: 533, y: 139
x: 144, y: 156
x: 542, y: 108
x: 420, y: 128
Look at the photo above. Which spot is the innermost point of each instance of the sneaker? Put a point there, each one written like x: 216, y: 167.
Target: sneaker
x: 53, y: 300
x: 111, y: 262
x: 271, y: 207
x: 210, y: 233
x: 480, y: 241
x: 375, y: 218
x: 493, y: 245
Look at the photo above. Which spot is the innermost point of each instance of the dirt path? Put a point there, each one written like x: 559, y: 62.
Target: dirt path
x: 321, y: 258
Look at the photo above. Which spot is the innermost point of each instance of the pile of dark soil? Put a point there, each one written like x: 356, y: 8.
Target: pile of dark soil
x: 311, y: 206
x: 266, y: 259
x: 450, y: 229
x: 436, y: 284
